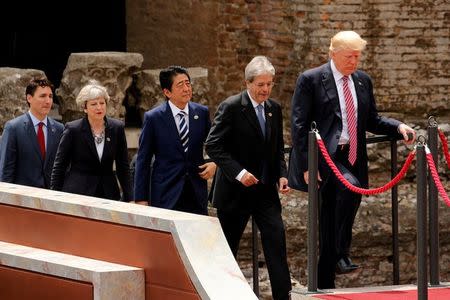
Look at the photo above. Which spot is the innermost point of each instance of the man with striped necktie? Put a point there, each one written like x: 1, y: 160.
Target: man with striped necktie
x: 172, y: 136
x: 339, y: 98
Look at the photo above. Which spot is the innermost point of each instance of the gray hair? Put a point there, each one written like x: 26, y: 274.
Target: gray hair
x: 259, y: 65
x: 347, y: 40
x: 92, y: 90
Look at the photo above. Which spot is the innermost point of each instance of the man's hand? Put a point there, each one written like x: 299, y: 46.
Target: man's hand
x: 209, y: 169
x: 143, y: 202
x: 284, y: 188
x: 404, y: 129
x: 248, y: 179
x: 306, y: 176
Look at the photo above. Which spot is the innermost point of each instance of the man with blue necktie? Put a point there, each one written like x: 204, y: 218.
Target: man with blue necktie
x: 246, y: 142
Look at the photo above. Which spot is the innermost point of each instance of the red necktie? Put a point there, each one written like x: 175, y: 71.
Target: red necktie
x: 41, y: 139
x: 351, y: 122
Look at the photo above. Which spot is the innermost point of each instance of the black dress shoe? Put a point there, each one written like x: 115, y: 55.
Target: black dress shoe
x: 345, y: 265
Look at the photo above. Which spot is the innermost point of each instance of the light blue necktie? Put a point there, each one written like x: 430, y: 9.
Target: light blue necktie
x: 262, y: 122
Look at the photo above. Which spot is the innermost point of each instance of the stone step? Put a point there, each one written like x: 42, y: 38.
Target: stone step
x: 110, y: 280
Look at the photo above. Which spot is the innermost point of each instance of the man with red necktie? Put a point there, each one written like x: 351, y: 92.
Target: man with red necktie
x: 339, y: 98
x: 29, y: 142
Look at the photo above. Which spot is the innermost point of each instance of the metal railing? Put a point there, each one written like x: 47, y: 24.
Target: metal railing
x: 313, y: 214
x: 423, y: 182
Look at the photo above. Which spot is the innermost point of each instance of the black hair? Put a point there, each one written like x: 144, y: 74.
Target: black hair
x: 166, y: 76
x: 35, y: 83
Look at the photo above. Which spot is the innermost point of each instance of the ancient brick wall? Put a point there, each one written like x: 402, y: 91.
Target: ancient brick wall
x: 407, y: 53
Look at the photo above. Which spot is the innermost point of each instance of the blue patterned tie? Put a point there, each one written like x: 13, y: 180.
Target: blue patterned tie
x: 261, y: 120
x: 184, y: 131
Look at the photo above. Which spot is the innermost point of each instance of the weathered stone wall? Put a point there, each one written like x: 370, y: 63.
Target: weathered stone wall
x: 111, y: 69
x: 13, y: 82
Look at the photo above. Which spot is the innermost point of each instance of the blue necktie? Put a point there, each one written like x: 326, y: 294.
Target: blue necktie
x: 262, y: 122
x: 183, y: 129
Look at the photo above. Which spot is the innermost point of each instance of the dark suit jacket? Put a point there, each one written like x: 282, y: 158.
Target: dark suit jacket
x: 172, y: 166
x: 20, y: 158
x: 77, y: 167
x: 316, y: 99
x: 236, y: 142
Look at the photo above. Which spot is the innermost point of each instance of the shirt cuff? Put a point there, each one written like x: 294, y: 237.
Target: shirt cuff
x: 240, y: 175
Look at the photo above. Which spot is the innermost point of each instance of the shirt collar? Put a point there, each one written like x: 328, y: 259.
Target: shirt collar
x: 36, y: 121
x: 254, y: 103
x: 336, y: 74
x: 176, y: 110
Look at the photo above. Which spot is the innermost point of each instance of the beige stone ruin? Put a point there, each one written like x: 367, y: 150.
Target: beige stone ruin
x: 112, y: 69
x: 13, y: 82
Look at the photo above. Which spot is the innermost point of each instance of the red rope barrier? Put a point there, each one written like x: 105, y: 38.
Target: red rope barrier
x: 436, y: 178
x: 444, y: 147
x: 359, y: 190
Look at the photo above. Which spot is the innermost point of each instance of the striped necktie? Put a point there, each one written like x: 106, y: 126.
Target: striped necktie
x: 183, y: 130
x: 351, y: 122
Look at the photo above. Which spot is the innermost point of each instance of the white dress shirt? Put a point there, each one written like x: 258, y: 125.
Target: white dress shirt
x: 36, y: 126
x: 175, y: 111
x: 338, y: 77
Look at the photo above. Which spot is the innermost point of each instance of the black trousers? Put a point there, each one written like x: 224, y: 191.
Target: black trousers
x: 188, y: 202
x: 267, y: 214
x: 336, y: 217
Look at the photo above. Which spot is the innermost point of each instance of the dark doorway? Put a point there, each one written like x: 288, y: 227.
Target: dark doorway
x: 42, y: 34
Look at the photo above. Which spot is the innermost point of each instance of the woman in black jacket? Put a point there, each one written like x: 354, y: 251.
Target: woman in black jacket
x: 88, y: 149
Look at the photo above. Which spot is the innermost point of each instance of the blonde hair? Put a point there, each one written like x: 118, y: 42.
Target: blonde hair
x: 92, y: 90
x: 347, y: 40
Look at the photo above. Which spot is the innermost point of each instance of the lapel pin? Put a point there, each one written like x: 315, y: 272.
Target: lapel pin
x: 195, y: 117
x: 359, y: 82
x: 270, y: 114
x: 108, y: 139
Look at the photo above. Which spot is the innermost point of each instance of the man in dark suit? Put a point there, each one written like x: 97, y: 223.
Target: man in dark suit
x: 246, y: 142
x: 173, y: 135
x: 339, y: 99
x: 29, y: 142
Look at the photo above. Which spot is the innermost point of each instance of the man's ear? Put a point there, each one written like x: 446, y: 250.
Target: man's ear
x: 167, y: 93
x: 29, y: 97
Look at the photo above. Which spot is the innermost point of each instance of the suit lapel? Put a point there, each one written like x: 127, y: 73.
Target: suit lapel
x: 51, y: 139
x: 250, y: 114
x: 87, y: 136
x: 269, y: 119
x: 329, y: 85
x: 108, y: 138
x: 28, y: 128
x: 361, y: 98
x: 193, y: 125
